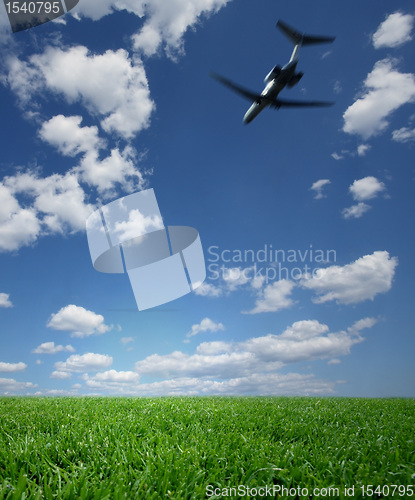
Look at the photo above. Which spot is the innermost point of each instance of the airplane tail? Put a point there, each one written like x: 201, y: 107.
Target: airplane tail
x: 301, y: 38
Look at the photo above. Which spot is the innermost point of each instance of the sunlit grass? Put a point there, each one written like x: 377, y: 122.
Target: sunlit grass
x: 110, y: 448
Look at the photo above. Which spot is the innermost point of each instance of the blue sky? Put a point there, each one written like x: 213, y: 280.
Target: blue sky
x: 305, y: 216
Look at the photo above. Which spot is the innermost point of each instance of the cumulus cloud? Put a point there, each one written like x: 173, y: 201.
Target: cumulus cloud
x: 127, y: 340
x: 61, y: 375
x: 270, y: 384
x: 112, y: 380
x: 356, y: 211
x: 362, y: 149
x: 337, y: 156
x: 274, y: 297
x: 318, y: 186
x: 12, y: 367
x: 334, y: 361
x: 51, y: 348
x: 89, y: 362
x: 394, y: 31
x: 228, y: 280
x: 362, y: 324
x: 79, y: 321
x: 118, y: 168
x: 366, y: 188
x: 403, y: 134
x: 256, y: 357
x: 363, y: 190
x: 18, y: 226
x: 5, y: 300
x: 67, y: 135
x: 385, y: 90
x: 58, y: 200
x: 206, y: 325
x: 109, y: 85
x: 137, y: 224
x: 54, y: 204
x: 164, y: 24
x: 11, y: 386
x: 353, y: 283
x: 206, y: 289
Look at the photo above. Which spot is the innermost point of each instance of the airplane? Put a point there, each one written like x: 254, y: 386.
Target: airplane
x: 279, y: 77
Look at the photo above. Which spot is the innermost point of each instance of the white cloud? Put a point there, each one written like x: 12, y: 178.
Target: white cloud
x: 109, y: 85
x: 366, y: 188
x: 302, y: 341
x: 386, y: 90
x: 127, y: 340
x: 116, y: 168
x: 394, y: 31
x: 12, y: 367
x: 403, y: 134
x: 362, y: 149
x: 57, y: 205
x: 164, y: 24
x: 88, y: 362
x: 230, y: 279
x: 5, y: 300
x: 356, y: 211
x: 216, y: 347
x: 167, y: 23
x: 363, y: 190
x: 270, y: 384
x: 11, y: 386
x: 334, y: 361
x: 208, y: 290
x: 67, y: 135
x: 179, y: 364
x: 18, y: 226
x: 112, y: 380
x: 274, y: 297
x: 70, y: 138
x: 79, y: 321
x: 51, y: 348
x: 137, y: 224
x: 61, y: 375
x: 318, y: 186
x: 362, y: 324
x: 353, y: 283
x: 235, y: 277
x: 206, y: 325
x: 96, y: 9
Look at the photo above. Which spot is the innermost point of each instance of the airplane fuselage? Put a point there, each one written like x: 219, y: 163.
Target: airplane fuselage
x: 279, y: 77
x: 274, y: 86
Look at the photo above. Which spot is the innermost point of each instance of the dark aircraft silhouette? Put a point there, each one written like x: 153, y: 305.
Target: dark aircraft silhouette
x: 279, y: 77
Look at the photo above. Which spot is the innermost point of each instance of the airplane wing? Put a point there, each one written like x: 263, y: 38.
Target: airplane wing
x: 248, y: 94
x: 283, y: 103
x: 296, y: 37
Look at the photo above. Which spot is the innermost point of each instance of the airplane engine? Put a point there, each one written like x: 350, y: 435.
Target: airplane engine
x: 295, y: 79
x: 276, y: 70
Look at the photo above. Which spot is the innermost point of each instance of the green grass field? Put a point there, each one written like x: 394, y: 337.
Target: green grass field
x: 182, y: 448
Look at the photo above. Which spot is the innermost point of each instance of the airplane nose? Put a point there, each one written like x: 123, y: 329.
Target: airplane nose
x: 247, y: 118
